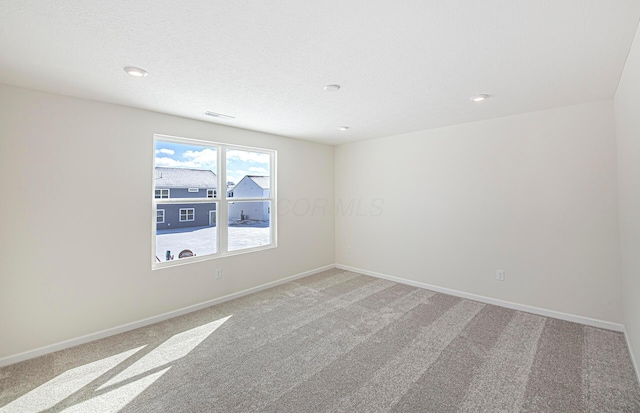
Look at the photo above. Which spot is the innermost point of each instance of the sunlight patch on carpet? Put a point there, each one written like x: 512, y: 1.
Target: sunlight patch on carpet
x: 64, y: 385
x: 113, y: 401
x: 171, y: 350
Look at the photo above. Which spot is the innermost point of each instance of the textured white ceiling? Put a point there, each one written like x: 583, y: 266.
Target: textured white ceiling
x: 403, y: 65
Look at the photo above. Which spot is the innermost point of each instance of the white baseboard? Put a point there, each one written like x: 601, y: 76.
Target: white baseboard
x: 633, y: 359
x: 5, y: 361
x: 520, y: 307
x: 165, y: 316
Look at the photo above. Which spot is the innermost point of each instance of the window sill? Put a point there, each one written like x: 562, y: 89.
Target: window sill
x: 189, y: 260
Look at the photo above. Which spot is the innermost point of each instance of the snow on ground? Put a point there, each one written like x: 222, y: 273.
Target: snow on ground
x: 202, y: 240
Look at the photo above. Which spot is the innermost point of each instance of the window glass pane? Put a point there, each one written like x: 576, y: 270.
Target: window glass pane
x: 184, y: 170
x: 187, y: 214
x: 198, y: 234
x: 248, y: 174
x: 249, y: 224
x: 162, y: 193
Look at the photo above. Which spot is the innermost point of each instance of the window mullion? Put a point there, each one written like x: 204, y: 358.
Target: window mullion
x: 223, y: 238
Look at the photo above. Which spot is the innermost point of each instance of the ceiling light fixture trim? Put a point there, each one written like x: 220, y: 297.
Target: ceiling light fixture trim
x: 479, y: 98
x: 136, y: 71
x: 332, y: 88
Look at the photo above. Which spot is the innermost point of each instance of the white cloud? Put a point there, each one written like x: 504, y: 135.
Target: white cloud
x: 168, y: 162
x: 206, y: 156
x: 204, y: 159
x: 236, y: 175
x: 165, y: 151
x: 258, y: 171
x: 246, y: 156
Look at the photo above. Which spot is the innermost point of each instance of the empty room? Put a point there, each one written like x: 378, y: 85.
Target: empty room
x: 329, y: 206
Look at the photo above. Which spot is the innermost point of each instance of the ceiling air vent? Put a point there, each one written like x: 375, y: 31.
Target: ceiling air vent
x: 219, y: 115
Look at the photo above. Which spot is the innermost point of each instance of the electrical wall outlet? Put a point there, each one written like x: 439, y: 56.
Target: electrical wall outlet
x: 500, y: 275
x: 218, y: 273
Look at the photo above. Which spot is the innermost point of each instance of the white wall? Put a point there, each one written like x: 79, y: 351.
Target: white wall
x: 75, y: 226
x: 533, y: 194
x: 627, y: 110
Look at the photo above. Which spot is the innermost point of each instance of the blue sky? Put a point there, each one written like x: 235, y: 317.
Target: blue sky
x: 239, y: 162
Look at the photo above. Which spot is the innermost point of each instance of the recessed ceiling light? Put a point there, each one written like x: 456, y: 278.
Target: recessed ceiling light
x: 219, y: 115
x: 479, y: 98
x: 332, y: 88
x: 136, y: 71
x: 343, y: 128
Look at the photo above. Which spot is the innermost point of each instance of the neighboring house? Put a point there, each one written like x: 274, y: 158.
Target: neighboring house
x: 185, y: 183
x: 251, y: 186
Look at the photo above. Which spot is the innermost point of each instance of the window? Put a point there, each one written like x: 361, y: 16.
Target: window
x: 211, y: 223
x: 249, y: 223
x: 187, y: 214
x: 161, y: 193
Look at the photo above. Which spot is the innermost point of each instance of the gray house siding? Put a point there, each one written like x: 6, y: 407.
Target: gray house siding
x: 178, y: 181
x: 172, y: 216
x: 184, y: 192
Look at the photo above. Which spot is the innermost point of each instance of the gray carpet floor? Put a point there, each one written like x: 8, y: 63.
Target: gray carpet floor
x: 336, y: 342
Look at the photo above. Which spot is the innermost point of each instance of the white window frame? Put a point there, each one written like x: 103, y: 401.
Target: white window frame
x: 159, y: 210
x: 220, y: 199
x: 161, y: 192
x: 193, y: 189
x: 213, y: 193
x: 187, y: 213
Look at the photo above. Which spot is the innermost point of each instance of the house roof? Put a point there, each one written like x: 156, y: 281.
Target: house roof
x: 185, y: 178
x: 262, y: 181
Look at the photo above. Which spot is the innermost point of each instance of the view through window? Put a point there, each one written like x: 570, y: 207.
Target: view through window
x: 249, y: 212
x: 203, y: 209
